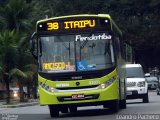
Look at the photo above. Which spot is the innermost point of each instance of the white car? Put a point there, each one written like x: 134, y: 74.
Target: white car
x: 137, y: 87
x: 152, y: 82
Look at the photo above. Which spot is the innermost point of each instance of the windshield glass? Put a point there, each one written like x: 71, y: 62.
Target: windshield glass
x: 151, y: 79
x: 81, y: 52
x: 132, y: 72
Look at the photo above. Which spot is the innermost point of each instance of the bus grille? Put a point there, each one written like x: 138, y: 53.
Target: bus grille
x: 80, y: 87
x: 76, y: 89
x: 86, y: 97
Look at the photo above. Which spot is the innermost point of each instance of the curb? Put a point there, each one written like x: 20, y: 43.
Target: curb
x: 20, y: 105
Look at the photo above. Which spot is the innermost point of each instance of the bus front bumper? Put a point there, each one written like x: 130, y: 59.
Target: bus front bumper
x: 81, y: 97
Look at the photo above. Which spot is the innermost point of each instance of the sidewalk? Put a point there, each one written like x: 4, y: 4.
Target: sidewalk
x: 16, y: 103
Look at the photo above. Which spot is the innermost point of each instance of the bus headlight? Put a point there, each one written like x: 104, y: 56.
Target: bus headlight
x: 47, y: 87
x: 141, y: 84
x: 107, y: 83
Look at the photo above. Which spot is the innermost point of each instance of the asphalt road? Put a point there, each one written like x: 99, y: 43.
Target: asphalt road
x: 135, y: 110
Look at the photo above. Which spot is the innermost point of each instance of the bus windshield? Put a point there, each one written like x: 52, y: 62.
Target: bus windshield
x: 79, y: 52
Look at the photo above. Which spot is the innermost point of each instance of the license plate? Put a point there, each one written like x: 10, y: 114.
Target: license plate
x: 129, y: 93
x: 78, y: 96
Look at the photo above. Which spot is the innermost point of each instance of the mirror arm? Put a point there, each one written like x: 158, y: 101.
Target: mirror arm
x: 32, y: 45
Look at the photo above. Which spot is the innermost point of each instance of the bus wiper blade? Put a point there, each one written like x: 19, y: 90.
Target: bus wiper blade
x: 85, y: 42
x: 65, y: 45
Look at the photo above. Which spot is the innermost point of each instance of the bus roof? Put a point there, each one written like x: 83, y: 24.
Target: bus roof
x: 80, y: 15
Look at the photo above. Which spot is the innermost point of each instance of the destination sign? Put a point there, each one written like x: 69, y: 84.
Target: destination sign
x: 72, y: 24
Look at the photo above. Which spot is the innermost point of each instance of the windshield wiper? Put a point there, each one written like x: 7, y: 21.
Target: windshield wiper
x: 64, y: 44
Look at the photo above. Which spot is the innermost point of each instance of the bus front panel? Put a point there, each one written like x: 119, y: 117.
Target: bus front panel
x: 89, y: 91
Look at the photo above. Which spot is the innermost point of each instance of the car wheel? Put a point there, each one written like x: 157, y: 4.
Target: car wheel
x: 145, y: 98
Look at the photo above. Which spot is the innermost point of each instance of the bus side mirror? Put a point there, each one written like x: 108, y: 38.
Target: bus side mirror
x: 33, y: 45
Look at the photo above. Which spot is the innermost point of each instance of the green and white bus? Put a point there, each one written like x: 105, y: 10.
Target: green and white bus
x: 80, y: 60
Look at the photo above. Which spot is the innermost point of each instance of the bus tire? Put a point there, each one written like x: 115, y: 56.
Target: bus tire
x: 123, y: 104
x: 64, y: 109
x: 73, y: 109
x: 145, y: 98
x: 54, y: 111
x: 114, y: 107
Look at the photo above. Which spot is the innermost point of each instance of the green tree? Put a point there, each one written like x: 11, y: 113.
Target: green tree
x: 8, y: 52
x: 14, y: 57
x: 31, y: 71
x: 23, y: 77
x: 20, y: 76
x: 15, y: 15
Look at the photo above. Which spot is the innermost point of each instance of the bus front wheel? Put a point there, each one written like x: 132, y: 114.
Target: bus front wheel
x: 114, y: 107
x: 122, y: 104
x: 54, y: 111
x: 73, y: 109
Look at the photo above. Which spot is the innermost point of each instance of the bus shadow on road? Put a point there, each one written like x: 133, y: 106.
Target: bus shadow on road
x: 135, y: 103
x: 88, y: 112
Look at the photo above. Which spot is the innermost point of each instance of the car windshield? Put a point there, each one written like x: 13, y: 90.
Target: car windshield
x: 81, y: 52
x: 151, y: 79
x: 132, y: 72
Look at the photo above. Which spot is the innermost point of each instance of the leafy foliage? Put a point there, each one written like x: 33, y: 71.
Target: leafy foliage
x: 8, y: 49
x: 15, y: 14
x: 14, y: 35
